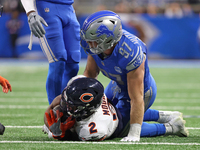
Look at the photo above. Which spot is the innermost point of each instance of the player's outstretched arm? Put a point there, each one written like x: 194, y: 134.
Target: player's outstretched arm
x: 5, y: 85
x: 35, y: 21
x: 136, y: 92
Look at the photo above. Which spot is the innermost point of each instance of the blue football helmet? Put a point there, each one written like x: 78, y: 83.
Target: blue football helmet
x: 104, y: 28
x: 82, y: 97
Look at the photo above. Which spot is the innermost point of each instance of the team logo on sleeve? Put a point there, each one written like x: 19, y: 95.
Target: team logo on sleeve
x: 137, y: 60
x: 86, y: 97
x: 118, y: 69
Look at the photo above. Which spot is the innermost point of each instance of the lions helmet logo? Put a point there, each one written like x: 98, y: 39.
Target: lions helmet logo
x: 86, y: 97
x: 103, y: 29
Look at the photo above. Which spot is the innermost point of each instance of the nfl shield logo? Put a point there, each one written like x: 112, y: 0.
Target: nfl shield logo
x: 46, y: 10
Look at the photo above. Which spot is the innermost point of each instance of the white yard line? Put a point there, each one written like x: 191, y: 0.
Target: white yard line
x: 118, y: 143
x: 45, y: 106
x: 158, y: 100
x: 191, y: 128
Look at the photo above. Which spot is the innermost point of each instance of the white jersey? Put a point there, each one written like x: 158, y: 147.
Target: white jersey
x: 100, y: 125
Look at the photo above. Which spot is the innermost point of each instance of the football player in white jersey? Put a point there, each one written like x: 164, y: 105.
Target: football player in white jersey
x: 96, y: 118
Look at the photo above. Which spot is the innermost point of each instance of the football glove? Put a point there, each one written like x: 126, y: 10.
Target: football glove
x: 5, y: 85
x: 56, y: 126
x: 35, y: 23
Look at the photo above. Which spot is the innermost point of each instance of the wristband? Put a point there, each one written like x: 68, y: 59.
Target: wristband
x: 135, y: 130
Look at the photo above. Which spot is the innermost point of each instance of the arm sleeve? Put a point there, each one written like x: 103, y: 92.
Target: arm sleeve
x: 28, y: 5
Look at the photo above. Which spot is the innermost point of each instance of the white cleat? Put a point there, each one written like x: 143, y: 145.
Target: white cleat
x: 167, y: 116
x: 45, y: 129
x: 176, y: 127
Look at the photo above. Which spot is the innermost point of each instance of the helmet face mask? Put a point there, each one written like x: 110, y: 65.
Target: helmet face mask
x: 103, y: 27
x: 82, y: 97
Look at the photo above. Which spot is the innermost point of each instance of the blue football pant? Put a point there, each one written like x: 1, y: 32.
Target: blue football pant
x: 61, y: 45
x: 62, y: 72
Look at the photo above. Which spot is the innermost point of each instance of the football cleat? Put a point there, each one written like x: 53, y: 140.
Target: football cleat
x: 47, y: 131
x: 176, y: 127
x: 167, y: 116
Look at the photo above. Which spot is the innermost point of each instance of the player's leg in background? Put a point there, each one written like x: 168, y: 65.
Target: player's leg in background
x: 71, y: 35
x: 53, y: 47
x: 149, y: 98
x: 152, y: 130
x: 155, y: 115
x: 54, y: 79
x: 71, y: 70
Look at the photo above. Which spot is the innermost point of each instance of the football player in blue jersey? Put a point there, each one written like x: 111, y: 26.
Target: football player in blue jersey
x: 59, y: 38
x: 122, y: 57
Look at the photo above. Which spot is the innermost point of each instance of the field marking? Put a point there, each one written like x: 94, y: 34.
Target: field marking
x: 23, y: 106
x: 28, y: 115
x: 174, y: 100
x: 191, y: 128
x: 43, y: 100
x: 31, y: 100
x: 15, y: 115
x: 45, y: 106
x: 24, y: 127
x: 81, y: 142
x: 175, y: 107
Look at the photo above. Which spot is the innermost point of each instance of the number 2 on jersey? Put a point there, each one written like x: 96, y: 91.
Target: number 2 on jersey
x: 92, y: 129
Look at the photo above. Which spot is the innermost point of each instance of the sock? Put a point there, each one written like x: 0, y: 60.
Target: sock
x: 151, y: 115
x: 152, y: 130
x: 54, y: 80
x: 71, y: 70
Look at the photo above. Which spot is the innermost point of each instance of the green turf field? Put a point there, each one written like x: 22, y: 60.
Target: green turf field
x: 22, y: 110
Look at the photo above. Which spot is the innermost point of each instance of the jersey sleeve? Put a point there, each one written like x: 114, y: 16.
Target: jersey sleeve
x: 136, y: 61
x: 28, y: 5
x: 132, y: 58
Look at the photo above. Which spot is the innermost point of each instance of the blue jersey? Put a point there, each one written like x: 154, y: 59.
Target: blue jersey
x: 127, y: 55
x: 68, y: 2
